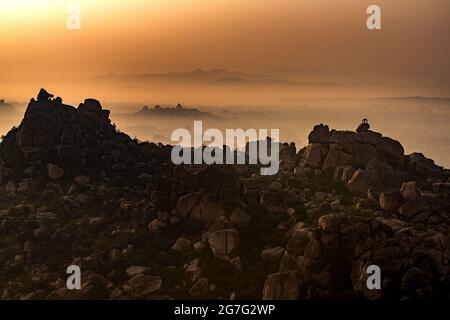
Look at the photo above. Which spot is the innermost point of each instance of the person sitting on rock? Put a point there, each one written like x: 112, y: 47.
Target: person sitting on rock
x: 364, y: 126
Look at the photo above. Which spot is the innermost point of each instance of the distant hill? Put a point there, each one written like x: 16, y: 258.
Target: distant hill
x: 197, y: 75
x: 178, y: 111
x: 419, y: 99
x: 236, y: 81
x: 214, y: 77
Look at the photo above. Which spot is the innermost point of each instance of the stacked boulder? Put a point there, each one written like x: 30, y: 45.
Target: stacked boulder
x: 65, y: 141
x: 370, y: 166
x: 331, y: 261
x: 359, y: 159
x: 49, y: 125
x: 407, y: 201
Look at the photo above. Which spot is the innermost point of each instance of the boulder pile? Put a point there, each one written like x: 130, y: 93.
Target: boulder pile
x: 76, y: 191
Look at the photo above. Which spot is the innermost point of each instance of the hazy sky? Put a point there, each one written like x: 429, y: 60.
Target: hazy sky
x: 325, y: 37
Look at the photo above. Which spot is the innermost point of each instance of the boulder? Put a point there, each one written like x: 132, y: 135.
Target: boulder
x: 274, y: 201
x: 273, y: 254
x: 412, y: 200
x: 381, y: 174
x: 336, y: 157
x: 182, y: 244
x: 223, y: 242
x: 200, y: 288
x: 281, y: 286
x: 142, y: 286
x: 359, y: 184
x: 186, y: 203
x: 409, y: 191
x: 389, y: 201
x: 369, y: 137
x: 156, y: 226
x: 11, y: 188
x: 82, y: 180
x: 207, y: 210
x: 392, y: 150
x: 222, y: 183
x: 43, y: 95
x: 362, y: 154
x: 239, y: 217
x: 331, y: 222
x: 314, y: 153
x: 410, y: 208
x: 54, y: 172
x: 298, y: 242
x: 135, y: 270
x: 343, y: 138
x: 193, y: 272
x: 423, y: 165
x: 320, y: 134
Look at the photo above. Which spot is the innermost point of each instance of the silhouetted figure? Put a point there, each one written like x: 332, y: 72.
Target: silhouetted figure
x: 364, y: 126
x: 44, y: 95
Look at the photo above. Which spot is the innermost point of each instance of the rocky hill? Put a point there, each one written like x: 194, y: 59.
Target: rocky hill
x: 178, y: 112
x: 77, y: 191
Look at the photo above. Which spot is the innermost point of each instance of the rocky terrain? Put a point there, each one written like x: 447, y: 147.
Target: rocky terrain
x: 77, y: 191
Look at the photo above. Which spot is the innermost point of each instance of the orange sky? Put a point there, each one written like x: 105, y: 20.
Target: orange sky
x: 282, y: 37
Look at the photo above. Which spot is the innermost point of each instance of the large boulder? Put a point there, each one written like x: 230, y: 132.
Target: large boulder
x: 390, y: 201
x: 409, y: 191
x: 54, y: 172
x: 186, y: 203
x: 359, y: 184
x: 320, y: 134
x: 362, y: 154
x: 412, y: 200
x: 142, y: 286
x: 423, y: 165
x: 343, y: 138
x: 281, y: 286
x: 331, y: 222
x: 274, y: 201
x: 369, y: 137
x: 336, y: 157
x: 381, y: 174
x: 222, y: 183
x: 207, y: 210
x: 223, y: 242
x: 315, y: 153
x: 392, y: 150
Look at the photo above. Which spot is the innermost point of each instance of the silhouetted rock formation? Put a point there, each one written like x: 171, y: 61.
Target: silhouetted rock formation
x: 178, y: 111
